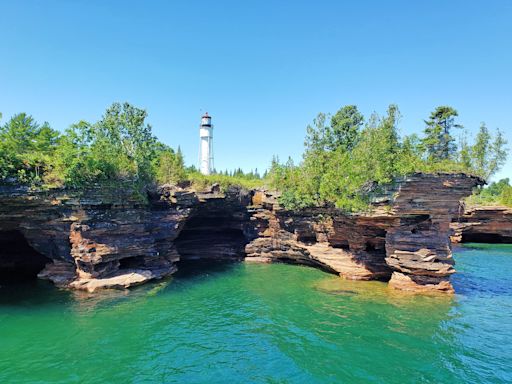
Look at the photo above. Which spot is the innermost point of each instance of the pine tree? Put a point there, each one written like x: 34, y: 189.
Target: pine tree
x: 439, y: 144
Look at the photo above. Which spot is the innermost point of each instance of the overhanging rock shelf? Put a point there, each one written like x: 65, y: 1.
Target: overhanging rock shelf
x: 106, y: 238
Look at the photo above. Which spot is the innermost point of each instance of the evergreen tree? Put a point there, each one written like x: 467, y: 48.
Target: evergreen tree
x: 345, y: 125
x: 439, y: 143
x: 480, y: 151
x: 26, y: 148
x: 498, y: 154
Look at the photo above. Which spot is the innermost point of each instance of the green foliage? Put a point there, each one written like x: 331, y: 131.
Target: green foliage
x: 497, y: 193
x: 119, y: 147
x: 376, y: 154
x: 170, y: 166
x: 201, y: 182
x: 343, y: 131
x: 345, y: 125
x: 336, y: 171
x: 487, y: 155
x: 345, y: 166
x: 409, y: 158
x: 438, y: 142
x: 26, y: 149
x: 344, y: 163
x: 126, y: 142
x: 506, y: 197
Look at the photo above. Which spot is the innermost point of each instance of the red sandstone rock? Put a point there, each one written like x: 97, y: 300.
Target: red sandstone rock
x: 407, y: 283
x: 490, y: 224
x: 409, y: 241
x: 110, y: 238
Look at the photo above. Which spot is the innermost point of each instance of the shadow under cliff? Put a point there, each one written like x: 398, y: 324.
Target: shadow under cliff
x: 215, y: 231
x: 18, y: 260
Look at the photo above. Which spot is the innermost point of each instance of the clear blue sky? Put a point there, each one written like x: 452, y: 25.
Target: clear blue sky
x: 262, y: 69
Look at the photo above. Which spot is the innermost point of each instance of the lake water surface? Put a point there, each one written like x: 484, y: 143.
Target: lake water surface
x: 275, y: 323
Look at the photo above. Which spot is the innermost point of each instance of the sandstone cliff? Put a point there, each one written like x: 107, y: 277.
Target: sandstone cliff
x: 105, y: 237
x: 483, y: 224
x: 407, y: 244
x: 100, y: 237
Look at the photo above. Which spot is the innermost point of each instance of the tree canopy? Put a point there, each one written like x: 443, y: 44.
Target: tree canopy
x: 343, y: 164
x: 119, y: 147
x: 26, y: 148
x: 347, y: 158
x: 439, y: 142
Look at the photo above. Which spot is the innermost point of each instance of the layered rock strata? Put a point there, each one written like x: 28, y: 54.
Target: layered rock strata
x: 113, y: 238
x: 405, y: 242
x: 483, y: 224
x: 102, y: 237
x: 418, y: 244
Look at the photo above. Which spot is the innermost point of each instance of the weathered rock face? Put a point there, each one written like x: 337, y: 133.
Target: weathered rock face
x: 407, y: 244
x: 418, y: 245
x: 18, y: 258
x: 216, y: 227
x: 98, y: 234
x: 351, y: 246
x: 107, y: 238
x: 486, y: 224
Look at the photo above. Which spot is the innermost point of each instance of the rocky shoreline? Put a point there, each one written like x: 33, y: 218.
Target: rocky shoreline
x: 483, y: 224
x: 108, y: 238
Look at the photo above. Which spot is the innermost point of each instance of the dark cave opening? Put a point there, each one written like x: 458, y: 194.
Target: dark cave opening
x: 491, y: 238
x: 211, y: 238
x: 309, y: 239
x: 341, y: 244
x: 18, y: 260
x: 133, y: 262
x: 369, y: 247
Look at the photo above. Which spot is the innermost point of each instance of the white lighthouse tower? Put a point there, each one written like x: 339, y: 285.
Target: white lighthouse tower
x: 206, y: 145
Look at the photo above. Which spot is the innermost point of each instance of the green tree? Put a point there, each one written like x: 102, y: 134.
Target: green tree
x: 498, y: 154
x: 118, y: 147
x: 506, y: 196
x: 318, y: 135
x: 389, y: 146
x: 376, y: 155
x: 26, y: 148
x: 465, y: 152
x: 410, y: 155
x: 170, y: 166
x: 438, y: 142
x: 72, y: 162
x: 499, y: 192
x: 123, y: 132
x: 345, y: 126
x: 497, y: 188
x: 343, y: 131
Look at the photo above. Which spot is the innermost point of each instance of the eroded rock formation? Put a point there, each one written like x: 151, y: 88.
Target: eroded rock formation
x: 103, y: 238
x: 407, y: 244
x: 418, y: 245
x: 484, y: 224
x: 113, y: 238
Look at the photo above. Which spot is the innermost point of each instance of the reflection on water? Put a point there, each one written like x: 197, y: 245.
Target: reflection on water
x: 264, y: 323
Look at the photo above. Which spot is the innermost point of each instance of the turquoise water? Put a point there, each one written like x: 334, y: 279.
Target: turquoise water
x: 264, y: 324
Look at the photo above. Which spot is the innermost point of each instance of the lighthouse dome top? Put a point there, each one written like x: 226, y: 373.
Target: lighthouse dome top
x: 206, y: 120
